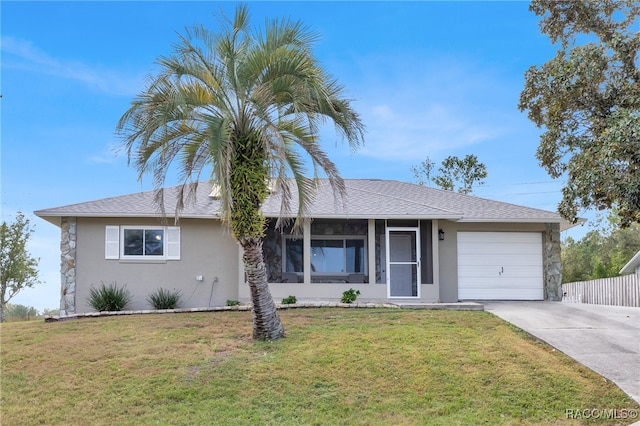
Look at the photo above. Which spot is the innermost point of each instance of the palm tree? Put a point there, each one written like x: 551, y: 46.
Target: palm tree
x: 246, y: 107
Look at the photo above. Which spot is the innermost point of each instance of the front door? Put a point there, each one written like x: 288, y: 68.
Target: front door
x: 403, y: 262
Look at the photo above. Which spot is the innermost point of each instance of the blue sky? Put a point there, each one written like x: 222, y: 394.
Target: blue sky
x: 430, y: 79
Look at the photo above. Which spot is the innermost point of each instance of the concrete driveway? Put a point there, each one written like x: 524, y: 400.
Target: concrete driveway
x: 604, y: 338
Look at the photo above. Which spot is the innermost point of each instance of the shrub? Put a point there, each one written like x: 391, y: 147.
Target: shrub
x: 164, y: 299
x: 20, y: 312
x: 233, y: 302
x: 290, y: 300
x: 109, y: 298
x: 350, y: 296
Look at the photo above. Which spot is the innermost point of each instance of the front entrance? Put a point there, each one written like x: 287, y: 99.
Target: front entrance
x: 403, y: 262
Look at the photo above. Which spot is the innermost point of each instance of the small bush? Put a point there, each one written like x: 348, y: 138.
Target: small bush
x: 350, y: 296
x: 164, y: 299
x: 290, y: 300
x: 19, y: 312
x: 233, y: 302
x: 109, y: 298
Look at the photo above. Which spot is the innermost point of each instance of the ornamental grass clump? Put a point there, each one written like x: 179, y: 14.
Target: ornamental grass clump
x: 109, y: 298
x: 164, y: 299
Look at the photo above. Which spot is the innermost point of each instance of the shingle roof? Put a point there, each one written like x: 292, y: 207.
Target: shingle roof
x: 140, y: 204
x: 366, y: 198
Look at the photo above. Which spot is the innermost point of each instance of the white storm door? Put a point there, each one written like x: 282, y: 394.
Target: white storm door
x: 403, y: 262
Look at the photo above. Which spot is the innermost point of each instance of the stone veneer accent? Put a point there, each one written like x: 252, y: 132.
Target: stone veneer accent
x: 68, y: 241
x: 552, y: 263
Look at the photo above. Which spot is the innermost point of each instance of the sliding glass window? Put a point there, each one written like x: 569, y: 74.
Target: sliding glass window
x: 337, y: 256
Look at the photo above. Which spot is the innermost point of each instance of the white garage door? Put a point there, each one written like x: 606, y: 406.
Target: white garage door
x: 500, y: 266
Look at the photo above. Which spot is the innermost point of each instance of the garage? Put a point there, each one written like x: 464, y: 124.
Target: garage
x: 500, y: 266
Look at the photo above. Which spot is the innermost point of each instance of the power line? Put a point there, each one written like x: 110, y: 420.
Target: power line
x: 523, y: 183
x: 525, y: 193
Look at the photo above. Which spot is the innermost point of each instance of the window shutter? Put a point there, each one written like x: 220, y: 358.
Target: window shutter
x: 112, y: 242
x: 173, y: 243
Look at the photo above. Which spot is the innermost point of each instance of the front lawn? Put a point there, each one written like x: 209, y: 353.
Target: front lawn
x: 337, y: 366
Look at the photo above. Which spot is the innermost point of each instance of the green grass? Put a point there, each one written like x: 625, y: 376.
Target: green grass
x: 337, y: 366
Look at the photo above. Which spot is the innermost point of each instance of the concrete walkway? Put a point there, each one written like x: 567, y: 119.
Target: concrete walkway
x: 604, y: 338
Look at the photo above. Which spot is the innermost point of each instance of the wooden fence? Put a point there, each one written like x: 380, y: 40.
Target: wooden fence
x: 617, y: 291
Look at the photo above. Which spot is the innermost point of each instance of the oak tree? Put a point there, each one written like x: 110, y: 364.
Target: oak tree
x: 587, y: 100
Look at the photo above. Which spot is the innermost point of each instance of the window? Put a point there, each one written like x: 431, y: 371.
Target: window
x: 142, y: 242
x: 329, y: 255
x: 293, y: 254
x: 337, y: 256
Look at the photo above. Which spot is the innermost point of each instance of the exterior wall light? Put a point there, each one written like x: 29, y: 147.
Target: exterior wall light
x: 441, y: 234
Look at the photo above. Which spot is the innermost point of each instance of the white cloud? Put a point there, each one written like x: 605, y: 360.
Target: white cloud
x: 383, y: 112
x: 24, y: 55
x: 409, y: 131
x: 416, y: 107
x: 109, y: 155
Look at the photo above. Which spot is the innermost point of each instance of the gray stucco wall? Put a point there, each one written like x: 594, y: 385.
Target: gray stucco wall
x: 207, y: 249
x: 448, y: 262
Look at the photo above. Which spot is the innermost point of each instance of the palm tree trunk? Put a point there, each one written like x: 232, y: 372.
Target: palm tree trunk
x: 266, y: 321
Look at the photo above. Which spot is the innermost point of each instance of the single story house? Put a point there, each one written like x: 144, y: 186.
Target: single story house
x: 393, y: 241
x: 633, y: 266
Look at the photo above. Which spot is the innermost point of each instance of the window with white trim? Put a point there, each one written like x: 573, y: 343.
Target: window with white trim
x: 142, y: 242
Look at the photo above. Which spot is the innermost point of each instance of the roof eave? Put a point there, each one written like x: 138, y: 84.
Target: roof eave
x: 564, y: 224
x: 56, y: 218
x: 630, y: 267
x: 364, y: 216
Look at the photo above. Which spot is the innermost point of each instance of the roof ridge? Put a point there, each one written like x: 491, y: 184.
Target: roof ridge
x: 406, y: 200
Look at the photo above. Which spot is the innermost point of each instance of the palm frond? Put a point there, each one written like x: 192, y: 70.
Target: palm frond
x: 216, y: 87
